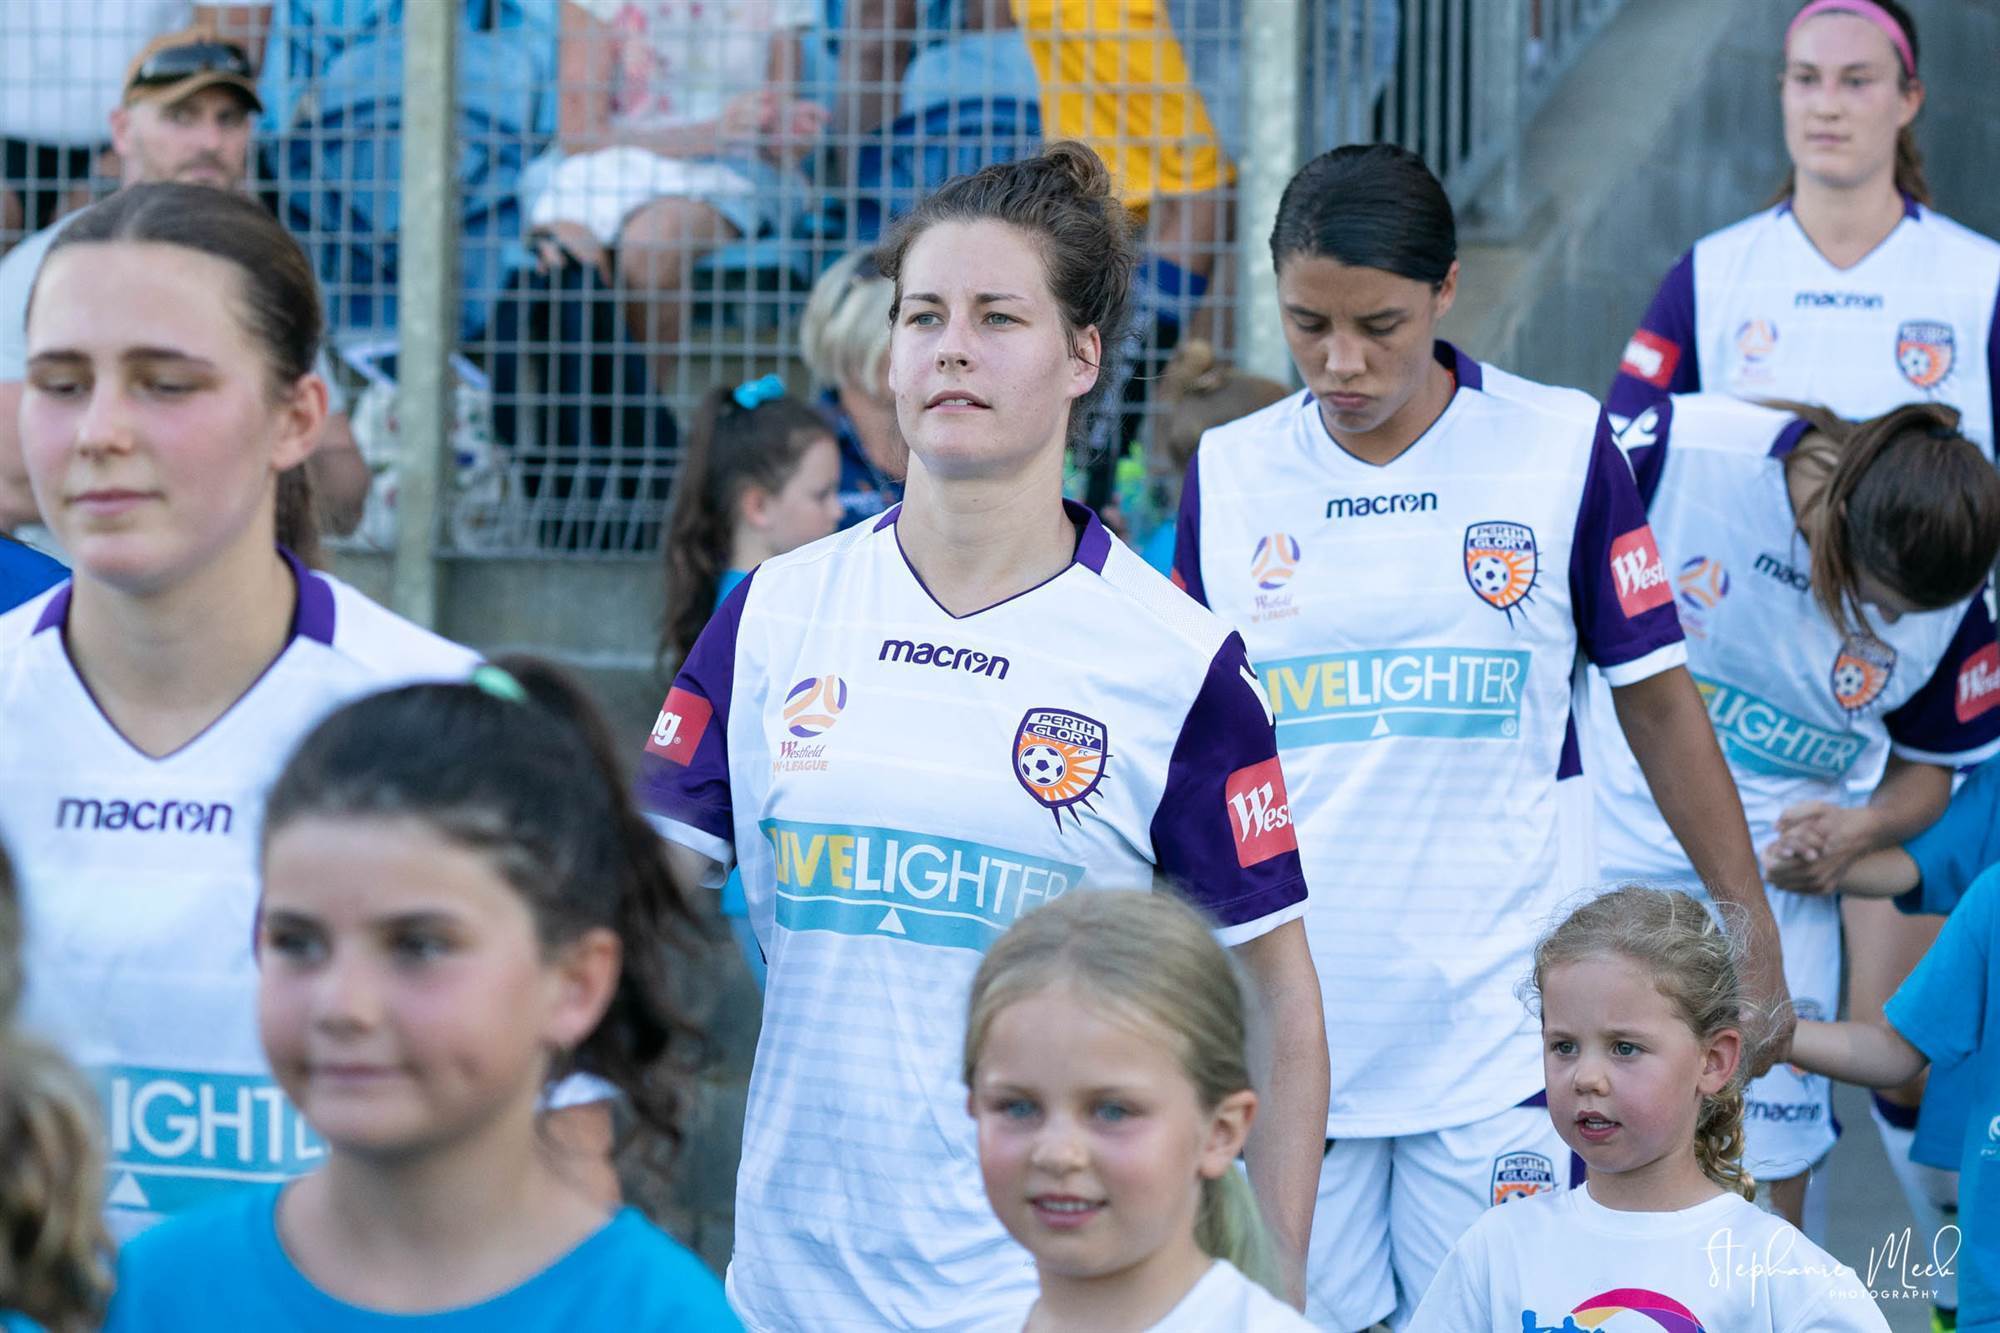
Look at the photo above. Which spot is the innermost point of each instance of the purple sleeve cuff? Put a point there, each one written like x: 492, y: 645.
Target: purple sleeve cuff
x: 1993, y: 376
x: 1223, y: 832
x: 1621, y: 596
x: 1187, y: 535
x: 1956, y: 713
x: 684, y: 772
x: 1660, y: 358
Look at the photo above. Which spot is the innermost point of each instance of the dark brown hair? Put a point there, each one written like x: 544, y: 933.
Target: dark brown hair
x: 729, y: 449
x: 534, y: 785
x: 1903, y: 498
x: 55, y: 1257
x: 279, y: 300
x: 1372, y: 205
x: 1909, y: 158
x: 1063, y: 198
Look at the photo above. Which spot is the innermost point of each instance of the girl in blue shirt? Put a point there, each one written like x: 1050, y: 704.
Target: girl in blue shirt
x: 759, y: 476
x: 460, y: 907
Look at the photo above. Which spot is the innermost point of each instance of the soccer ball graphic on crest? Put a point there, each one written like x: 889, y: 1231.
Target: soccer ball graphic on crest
x: 1490, y: 576
x: 1042, y: 765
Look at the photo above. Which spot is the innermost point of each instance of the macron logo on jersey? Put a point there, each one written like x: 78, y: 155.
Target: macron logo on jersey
x: 1651, y: 358
x: 1261, y: 812
x: 678, y: 730
x: 1640, y: 573
x: 1978, y: 683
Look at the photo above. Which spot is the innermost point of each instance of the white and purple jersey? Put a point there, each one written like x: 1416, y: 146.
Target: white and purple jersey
x: 1756, y: 311
x: 139, y: 885
x: 898, y: 785
x: 1416, y: 625
x: 1802, y: 712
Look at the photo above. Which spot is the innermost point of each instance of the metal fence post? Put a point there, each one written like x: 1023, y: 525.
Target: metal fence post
x: 1273, y: 37
x: 426, y: 299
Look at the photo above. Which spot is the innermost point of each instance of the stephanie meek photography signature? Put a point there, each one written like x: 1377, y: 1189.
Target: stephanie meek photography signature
x: 1896, y: 1270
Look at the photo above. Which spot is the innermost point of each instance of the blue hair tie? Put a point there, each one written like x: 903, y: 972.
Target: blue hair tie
x: 498, y: 682
x: 752, y: 393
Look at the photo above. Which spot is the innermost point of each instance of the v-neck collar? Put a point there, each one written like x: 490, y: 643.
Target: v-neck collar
x: 1912, y: 212
x: 312, y: 618
x: 1465, y: 372
x: 1093, y: 547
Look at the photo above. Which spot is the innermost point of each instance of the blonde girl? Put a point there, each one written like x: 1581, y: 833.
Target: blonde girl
x: 1105, y: 1067
x: 1643, y: 1019
x: 55, y: 1258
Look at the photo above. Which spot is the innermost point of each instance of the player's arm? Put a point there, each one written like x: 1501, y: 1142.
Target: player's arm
x: 1290, y: 1066
x: 1874, y: 1055
x: 1667, y: 727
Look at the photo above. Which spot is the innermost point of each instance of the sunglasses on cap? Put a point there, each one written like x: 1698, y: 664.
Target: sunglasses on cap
x: 176, y: 63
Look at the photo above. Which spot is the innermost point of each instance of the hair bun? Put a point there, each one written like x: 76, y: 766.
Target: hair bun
x: 1079, y: 169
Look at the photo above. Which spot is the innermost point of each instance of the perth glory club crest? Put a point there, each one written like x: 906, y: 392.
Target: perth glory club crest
x: 1501, y: 564
x: 1059, y: 759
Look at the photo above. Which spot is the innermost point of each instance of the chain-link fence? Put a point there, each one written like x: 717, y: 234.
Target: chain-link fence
x: 639, y: 197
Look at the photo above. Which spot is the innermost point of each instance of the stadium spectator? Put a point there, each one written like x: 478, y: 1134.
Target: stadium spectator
x: 61, y: 63
x: 185, y: 115
x: 844, y: 341
x: 681, y: 129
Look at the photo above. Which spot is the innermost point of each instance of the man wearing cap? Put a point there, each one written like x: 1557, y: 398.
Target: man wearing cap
x: 189, y: 101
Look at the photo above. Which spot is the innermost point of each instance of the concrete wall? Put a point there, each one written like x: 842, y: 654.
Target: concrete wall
x: 1667, y: 129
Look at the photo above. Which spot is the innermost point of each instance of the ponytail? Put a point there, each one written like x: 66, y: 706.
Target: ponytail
x: 1229, y: 1226
x: 751, y: 435
x: 1719, y: 1141
x: 519, y: 767
x: 298, y: 519
x: 55, y: 1258
x: 1903, y: 498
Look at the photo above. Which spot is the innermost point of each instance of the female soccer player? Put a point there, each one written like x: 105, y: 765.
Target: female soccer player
x: 1416, y: 548
x: 912, y: 732
x: 151, y: 698
x: 1827, y: 575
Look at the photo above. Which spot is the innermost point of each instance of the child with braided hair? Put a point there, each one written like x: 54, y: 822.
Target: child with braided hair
x: 1642, y: 1044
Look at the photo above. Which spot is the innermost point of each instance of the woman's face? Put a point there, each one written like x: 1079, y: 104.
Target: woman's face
x: 1362, y: 338
x: 979, y: 361
x: 147, y: 422
x: 1844, y: 100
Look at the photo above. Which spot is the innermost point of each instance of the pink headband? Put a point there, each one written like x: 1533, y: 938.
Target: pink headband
x: 1861, y: 9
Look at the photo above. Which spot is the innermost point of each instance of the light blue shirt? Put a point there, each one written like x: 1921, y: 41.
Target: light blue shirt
x: 224, y: 1268
x: 1950, y: 1010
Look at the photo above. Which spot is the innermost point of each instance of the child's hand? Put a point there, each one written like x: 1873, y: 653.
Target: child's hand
x: 559, y: 242
x: 1816, y: 843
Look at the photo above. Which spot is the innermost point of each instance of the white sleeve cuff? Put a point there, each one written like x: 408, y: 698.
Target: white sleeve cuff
x: 1661, y: 659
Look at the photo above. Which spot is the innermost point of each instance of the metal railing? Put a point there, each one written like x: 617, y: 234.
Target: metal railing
x: 411, y: 145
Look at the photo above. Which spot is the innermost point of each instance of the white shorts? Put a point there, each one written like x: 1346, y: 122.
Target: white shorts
x: 1390, y: 1209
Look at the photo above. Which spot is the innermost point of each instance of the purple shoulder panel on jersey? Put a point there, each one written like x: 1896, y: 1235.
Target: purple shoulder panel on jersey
x: 1187, y: 535
x: 1789, y: 435
x: 1569, y: 763
x: 1223, y: 832
x: 1661, y: 357
x: 1956, y: 711
x: 56, y: 614
x: 1644, y: 441
x: 888, y: 519
x: 1464, y: 369
x: 1993, y: 375
x: 1093, y: 543
x: 314, y: 617
x: 1620, y: 594
x: 684, y: 772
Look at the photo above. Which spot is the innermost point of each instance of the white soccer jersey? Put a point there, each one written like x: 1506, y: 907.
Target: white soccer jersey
x: 1415, y: 625
x: 1756, y: 311
x: 139, y: 884
x: 1226, y: 1299
x: 1559, y: 1262
x: 1802, y: 712
x: 898, y: 785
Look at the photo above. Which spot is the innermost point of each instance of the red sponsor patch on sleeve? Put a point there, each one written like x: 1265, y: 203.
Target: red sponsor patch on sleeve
x: 682, y: 722
x: 1174, y: 577
x: 1639, y: 573
x: 1260, y: 813
x: 1978, y: 683
x: 1651, y: 358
